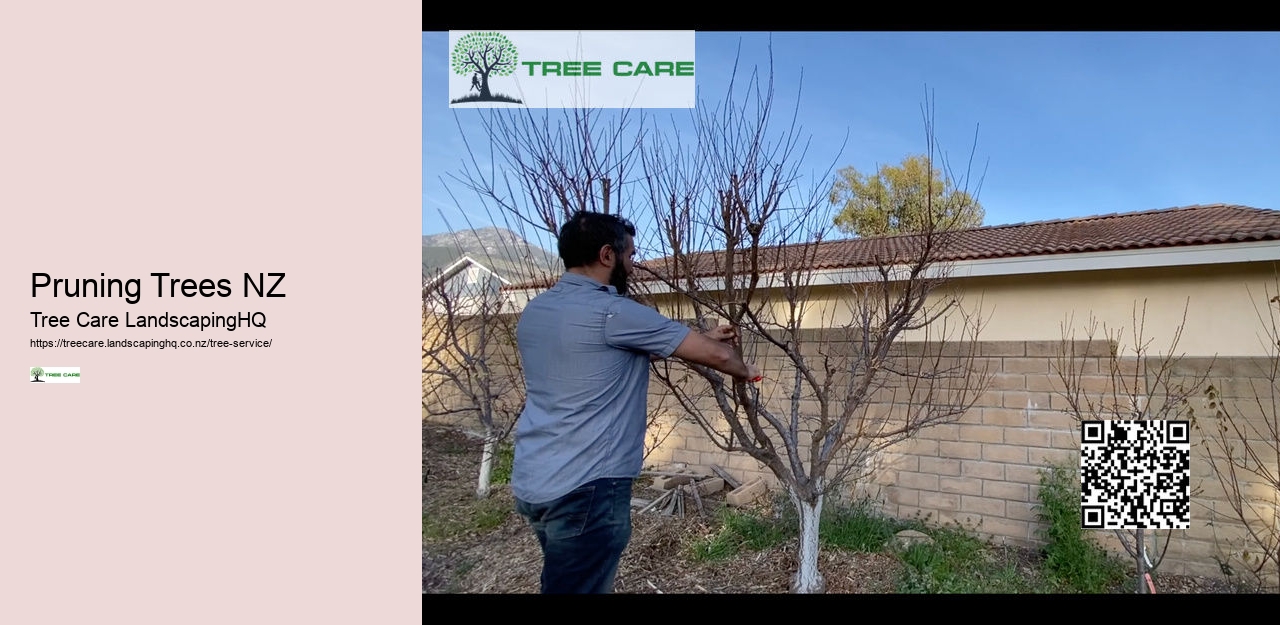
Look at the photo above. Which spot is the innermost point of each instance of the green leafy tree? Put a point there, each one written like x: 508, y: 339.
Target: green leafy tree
x: 898, y: 200
x: 37, y: 372
x: 483, y: 54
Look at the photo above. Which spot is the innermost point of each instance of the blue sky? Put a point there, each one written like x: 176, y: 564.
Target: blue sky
x: 1067, y: 124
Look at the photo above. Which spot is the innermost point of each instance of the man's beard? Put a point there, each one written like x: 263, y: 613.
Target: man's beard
x: 618, y: 278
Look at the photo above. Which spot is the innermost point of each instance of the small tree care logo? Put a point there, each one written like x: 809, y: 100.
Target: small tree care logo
x: 484, y: 54
x: 54, y: 375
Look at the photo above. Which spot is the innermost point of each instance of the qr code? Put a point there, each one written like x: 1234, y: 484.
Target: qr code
x: 1135, y: 474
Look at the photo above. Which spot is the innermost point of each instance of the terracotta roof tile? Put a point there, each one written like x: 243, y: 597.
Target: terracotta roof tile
x: 1170, y: 227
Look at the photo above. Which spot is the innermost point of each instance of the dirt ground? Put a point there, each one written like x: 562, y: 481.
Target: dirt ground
x: 472, y: 546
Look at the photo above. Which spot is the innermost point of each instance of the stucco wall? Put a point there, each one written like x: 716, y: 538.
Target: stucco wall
x: 1219, y: 301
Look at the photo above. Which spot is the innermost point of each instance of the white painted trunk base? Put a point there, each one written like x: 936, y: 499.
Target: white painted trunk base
x: 486, y: 467
x: 808, y: 579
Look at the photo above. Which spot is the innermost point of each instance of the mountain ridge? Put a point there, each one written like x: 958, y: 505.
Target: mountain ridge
x: 501, y: 250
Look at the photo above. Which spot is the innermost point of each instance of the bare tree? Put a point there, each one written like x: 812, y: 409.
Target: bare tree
x: 850, y: 370
x: 538, y: 170
x: 732, y: 237
x: 471, y: 363
x: 1134, y: 381
x: 470, y: 366
x: 1242, y: 440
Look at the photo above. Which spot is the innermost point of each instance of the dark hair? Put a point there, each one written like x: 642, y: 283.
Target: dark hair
x: 586, y: 232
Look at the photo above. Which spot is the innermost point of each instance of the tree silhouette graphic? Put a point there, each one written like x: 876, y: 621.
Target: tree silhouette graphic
x: 484, y: 54
x: 37, y: 372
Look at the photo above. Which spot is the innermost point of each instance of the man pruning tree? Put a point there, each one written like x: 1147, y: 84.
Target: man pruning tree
x: 579, y: 442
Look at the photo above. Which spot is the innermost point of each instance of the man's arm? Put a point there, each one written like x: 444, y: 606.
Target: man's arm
x: 700, y: 349
x: 637, y: 327
x: 722, y: 334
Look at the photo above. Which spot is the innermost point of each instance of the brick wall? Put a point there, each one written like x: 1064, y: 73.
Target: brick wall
x: 982, y: 469
x: 481, y: 366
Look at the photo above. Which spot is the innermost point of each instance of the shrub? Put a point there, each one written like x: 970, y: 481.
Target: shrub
x: 1071, y: 555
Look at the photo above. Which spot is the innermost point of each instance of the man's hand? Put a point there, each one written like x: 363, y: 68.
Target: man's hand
x: 722, y: 333
x: 712, y: 349
x: 727, y: 334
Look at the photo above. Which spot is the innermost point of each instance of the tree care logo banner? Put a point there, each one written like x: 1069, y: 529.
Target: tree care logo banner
x: 571, y: 69
x: 54, y: 375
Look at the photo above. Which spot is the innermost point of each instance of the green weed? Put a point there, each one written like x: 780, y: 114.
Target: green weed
x: 740, y: 530
x: 504, y: 456
x: 480, y: 515
x: 857, y: 527
x: 1071, y: 555
x: 960, y: 563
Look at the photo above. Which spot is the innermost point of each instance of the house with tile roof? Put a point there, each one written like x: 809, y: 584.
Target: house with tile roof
x: 1201, y: 274
x: 1032, y: 276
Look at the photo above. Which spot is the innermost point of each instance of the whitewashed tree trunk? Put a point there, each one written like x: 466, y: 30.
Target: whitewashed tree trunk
x: 486, y: 463
x: 808, y: 579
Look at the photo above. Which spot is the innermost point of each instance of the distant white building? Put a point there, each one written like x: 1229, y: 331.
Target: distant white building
x: 464, y: 287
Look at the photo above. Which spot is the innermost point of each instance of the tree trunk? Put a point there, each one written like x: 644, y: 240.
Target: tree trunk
x: 486, y: 463
x: 484, y: 87
x: 1142, y: 563
x: 808, y: 579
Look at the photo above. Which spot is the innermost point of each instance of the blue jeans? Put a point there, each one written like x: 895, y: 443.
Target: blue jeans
x: 582, y: 535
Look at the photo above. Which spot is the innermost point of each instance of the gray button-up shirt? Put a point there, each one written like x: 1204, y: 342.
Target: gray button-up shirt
x: 585, y: 353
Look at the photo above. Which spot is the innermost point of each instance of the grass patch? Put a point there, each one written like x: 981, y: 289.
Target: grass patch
x: 852, y: 528
x: 857, y: 527
x: 740, y: 530
x: 436, y: 528
x: 958, y: 562
x: 489, y: 515
x: 1071, y: 556
x: 476, y: 516
x: 503, y: 459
